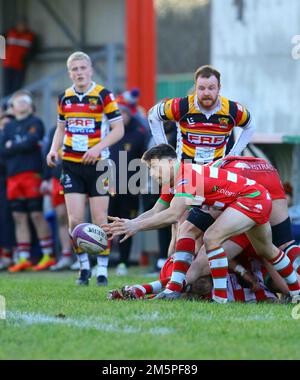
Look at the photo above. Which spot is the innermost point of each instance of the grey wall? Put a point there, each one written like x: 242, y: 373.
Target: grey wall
x: 252, y: 49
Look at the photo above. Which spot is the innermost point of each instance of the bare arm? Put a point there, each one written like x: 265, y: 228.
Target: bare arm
x: 57, y: 142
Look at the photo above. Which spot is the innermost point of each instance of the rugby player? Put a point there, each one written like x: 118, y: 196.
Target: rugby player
x: 245, y: 206
x: 86, y: 138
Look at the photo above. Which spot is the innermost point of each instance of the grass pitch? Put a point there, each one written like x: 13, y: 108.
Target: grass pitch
x: 49, y: 317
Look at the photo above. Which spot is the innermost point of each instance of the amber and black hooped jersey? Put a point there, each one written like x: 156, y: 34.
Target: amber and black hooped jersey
x: 203, y: 137
x: 87, y: 118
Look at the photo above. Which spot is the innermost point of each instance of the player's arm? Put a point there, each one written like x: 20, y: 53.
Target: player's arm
x: 57, y: 142
x: 159, y: 220
x: 163, y: 111
x: 245, y: 122
x: 158, y: 207
x: 59, y: 134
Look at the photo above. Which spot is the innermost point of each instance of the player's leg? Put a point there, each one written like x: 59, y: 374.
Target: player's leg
x: 65, y: 260
x: 260, y: 237
x: 76, y: 205
x: 23, y: 236
x: 230, y: 222
x: 282, y: 232
x: 42, y: 228
x: 188, y: 232
x: 99, y: 208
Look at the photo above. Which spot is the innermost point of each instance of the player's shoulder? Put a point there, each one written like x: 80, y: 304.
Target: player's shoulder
x: 67, y: 93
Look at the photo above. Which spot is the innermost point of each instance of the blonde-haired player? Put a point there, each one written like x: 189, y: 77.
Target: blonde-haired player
x: 86, y: 137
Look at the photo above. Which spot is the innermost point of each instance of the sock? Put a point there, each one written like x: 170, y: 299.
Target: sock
x: 219, y: 268
x: 6, y: 253
x: 106, y: 252
x: 66, y: 253
x: 182, y: 260
x: 284, y: 267
x: 102, y: 264
x: 23, y: 250
x: 293, y: 253
x: 46, y: 245
x: 84, y: 261
x: 153, y: 287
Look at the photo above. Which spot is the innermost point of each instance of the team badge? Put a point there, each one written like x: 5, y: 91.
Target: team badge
x: 93, y: 103
x: 223, y: 121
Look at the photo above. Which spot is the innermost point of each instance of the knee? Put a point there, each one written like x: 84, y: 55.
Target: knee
x: 211, y: 238
x: 187, y: 229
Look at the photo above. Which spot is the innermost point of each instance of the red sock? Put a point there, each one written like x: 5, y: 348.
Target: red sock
x: 219, y: 268
x: 293, y: 253
x: 183, y: 256
x: 284, y: 267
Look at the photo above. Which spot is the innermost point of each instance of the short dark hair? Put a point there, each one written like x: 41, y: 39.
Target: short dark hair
x: 158, y: 152
x: 206, y: 72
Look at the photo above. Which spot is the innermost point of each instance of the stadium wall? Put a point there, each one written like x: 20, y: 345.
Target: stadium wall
x: 251, y: 44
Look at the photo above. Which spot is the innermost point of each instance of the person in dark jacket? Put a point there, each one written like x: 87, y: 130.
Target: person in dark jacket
x: 20, y: 146
x: 51, y: 185
x: 7, y: 231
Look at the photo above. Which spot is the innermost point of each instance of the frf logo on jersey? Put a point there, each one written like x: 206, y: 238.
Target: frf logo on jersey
x: 81, y: 125
x: 210, y: 140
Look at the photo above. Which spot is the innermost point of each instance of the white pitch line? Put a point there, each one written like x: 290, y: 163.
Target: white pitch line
x: 88, y: 323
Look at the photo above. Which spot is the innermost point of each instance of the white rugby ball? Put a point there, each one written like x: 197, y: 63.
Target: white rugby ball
x: 90, y: 238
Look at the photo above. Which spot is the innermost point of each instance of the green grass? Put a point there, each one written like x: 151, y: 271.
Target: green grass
x: 95, y: 328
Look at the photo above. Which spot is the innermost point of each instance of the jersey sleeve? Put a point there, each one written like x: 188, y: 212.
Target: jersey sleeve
x: 170, y: 109
x: 166, y: 198
x: 243, y: 116
x: 60, y: 113
x: 110, y: 107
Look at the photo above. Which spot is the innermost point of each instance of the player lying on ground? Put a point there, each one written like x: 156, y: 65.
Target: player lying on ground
x: 248, y: 287
x: 245, y: 206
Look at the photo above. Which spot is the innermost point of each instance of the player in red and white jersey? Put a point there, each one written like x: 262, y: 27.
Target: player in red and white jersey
x: 201, y: 288
x: 265, y: 174
x: 246, y: 207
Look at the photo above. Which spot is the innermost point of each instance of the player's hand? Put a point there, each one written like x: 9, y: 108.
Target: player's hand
x: 52, y: 158
x: 120, y: 226
x: 91, y: 155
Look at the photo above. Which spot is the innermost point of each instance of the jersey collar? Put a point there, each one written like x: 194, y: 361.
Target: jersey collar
x: 81, y: 96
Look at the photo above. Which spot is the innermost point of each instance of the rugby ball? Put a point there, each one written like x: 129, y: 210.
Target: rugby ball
x: 90, y: 238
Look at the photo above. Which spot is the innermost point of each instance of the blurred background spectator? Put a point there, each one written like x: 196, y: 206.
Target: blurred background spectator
x: 51, y: 186
x: 20, y: 146
x: 134, y: 143
x: 7, y: 230
x: 20, y: 48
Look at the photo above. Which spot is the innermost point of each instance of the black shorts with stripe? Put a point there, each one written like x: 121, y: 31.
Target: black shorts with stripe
x: 92, y: 180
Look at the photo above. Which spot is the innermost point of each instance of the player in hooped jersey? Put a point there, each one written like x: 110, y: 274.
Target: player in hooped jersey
x: 85, y: 137
x: 245, y: 206
x: 205, y: 120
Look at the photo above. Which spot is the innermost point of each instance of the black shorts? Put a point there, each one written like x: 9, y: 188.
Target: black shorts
x: 84, y: 179
x: 124, y: 206
x: 200, y: 219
